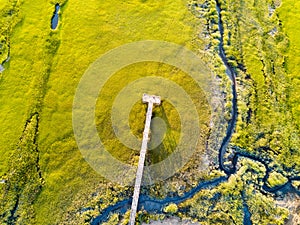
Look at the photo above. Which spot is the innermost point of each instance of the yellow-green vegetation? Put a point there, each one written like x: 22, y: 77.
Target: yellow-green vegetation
x: 43, y: 177
x: 24, y: 180
x: 171, y: 208
x: 296, y: 184
x: 288, y: 12
x: 276, y: 179
x: 224, y: 204
x: 257, y: 48
x: 41, y: 79
x: 264, y: 211
x: 22, y: 90
x: 113, y: 220
x: 9, y: 17
x: 137, y: 117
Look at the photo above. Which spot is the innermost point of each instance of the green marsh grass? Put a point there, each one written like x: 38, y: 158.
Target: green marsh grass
x: 44, y: 71
x: 46, y: 66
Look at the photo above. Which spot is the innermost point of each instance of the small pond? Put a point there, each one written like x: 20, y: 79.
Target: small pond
x: 55, y: 17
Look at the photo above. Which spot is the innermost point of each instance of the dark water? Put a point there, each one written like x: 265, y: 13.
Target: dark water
x: 232, y: 75
x: 55, y: 17
x: 247, y: 214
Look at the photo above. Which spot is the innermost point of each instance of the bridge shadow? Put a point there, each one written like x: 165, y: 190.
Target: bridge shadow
x: 168, y: 144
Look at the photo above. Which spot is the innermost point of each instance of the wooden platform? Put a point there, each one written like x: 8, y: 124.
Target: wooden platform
x: 151, y: 100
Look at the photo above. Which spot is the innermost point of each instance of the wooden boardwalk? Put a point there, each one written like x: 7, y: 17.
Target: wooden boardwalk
x: 151, y: 100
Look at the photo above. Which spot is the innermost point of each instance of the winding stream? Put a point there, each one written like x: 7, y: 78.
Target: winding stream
x: 153, y: 205
x: 232, y: 75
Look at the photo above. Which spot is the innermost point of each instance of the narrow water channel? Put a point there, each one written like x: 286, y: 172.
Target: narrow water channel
x: 232, y: 75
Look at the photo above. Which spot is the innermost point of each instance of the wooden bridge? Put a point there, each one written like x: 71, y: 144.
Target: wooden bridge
x: 151, y: 100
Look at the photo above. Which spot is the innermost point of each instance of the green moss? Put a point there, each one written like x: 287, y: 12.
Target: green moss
x: 264, y: 211
x: 265, y: 88
x: 225, y: 203
x: 276, y: 179
x: 45, y: 69
x: 166, y: 111
x: 23, y: 181
x: 9, y: 17
x: 113, y: 220
x: 296, y: 184
x: 288, y: 12
x: 171, y: 208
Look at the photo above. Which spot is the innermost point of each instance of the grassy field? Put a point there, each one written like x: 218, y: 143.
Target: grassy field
x: 288, y: 11
x: 136, y: 121
x: 41, y: 79
x: 85, y: 35
x: 47, y: 179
